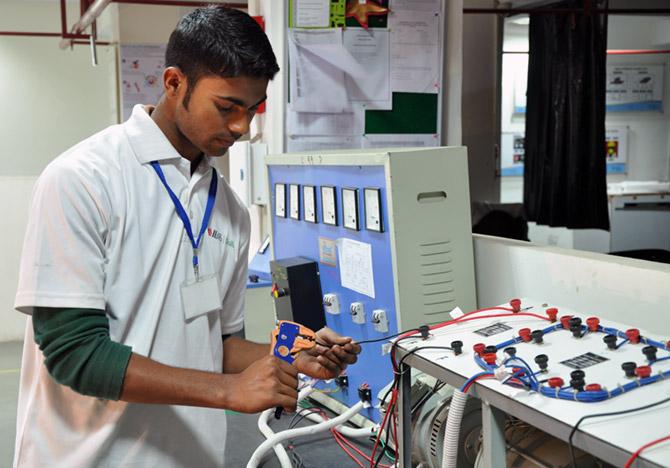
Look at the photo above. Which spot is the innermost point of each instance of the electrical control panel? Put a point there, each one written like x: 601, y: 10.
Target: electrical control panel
x: 390, y: 232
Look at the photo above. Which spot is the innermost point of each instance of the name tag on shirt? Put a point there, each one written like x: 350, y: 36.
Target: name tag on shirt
x: 201, y: 297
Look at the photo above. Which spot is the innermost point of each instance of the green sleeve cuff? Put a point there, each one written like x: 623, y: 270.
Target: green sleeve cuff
x: 78, y: 351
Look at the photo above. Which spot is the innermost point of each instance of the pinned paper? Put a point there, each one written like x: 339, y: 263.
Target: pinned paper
x: 356, y: 266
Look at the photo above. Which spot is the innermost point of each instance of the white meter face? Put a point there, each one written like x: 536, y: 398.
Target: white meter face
x: 280, y: 200
x: 294, y: 201
x: 350, y: 208
x: 328, y: 205
x: 309, y: 203
x: 373, y: 209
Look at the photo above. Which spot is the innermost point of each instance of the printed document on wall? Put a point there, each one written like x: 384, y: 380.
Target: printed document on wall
x: 356, y: 266
x: 141, y: 72
x: 415, y: 60
x: 310, y: 123
x: 296, y: 143
x: 371, y: 49
x: 316, y: 84
x: 311, y: 13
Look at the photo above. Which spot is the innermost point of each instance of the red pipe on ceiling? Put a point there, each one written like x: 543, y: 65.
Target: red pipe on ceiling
x: 566, y: 11
x: 636, y: 52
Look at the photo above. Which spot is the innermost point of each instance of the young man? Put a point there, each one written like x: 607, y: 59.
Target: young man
x: 128, y: 358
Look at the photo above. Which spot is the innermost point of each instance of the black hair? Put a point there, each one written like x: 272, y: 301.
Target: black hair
x: 221, y: 41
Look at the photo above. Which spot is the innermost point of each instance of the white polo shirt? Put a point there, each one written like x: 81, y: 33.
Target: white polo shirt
x: 103, y: 234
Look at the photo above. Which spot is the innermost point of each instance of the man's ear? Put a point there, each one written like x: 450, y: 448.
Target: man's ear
x: 174, y: 82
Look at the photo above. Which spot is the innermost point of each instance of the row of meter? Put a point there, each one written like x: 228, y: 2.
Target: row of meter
x: 329, y: 206
x: 410, y: 263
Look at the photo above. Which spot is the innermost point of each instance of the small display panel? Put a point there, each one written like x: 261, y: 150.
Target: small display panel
x: 280, y: 200
x: 373, y: 209
x: 329, y: 205
x: 309, y: 203
x: 350, y: 208
x: 294, y: 201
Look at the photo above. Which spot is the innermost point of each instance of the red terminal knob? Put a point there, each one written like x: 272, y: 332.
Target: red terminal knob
x: 667, y: 344
x: 594, y: 387
x: 479, y: 348
x: 556, y: 382
x: 490, y: 358
x: 565, y: 321
x: 643, y: 371
x: 515, y: 304
x: 552, y: 313
x: 518, y: 371
x: 633, y: 335
x: 524, y: 333
x: 593, y: 323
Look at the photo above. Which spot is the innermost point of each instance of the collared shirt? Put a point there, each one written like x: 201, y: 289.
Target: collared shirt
x: 103, y: 234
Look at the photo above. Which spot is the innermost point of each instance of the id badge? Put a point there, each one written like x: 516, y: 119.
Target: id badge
x: 201, y: 297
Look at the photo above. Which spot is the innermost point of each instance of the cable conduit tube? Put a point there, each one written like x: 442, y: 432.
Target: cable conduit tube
x: 257, y: 456
x: 346, y: 431
x: 453, y: 429
x: 267, y: 431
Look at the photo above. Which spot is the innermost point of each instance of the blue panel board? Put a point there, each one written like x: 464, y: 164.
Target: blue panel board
x: 300, y: 238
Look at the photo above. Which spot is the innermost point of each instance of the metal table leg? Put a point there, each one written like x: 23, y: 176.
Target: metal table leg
x: 493, y: 429
x: 405, y: 416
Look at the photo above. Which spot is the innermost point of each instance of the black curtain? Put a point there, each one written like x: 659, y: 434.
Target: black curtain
x: 564, y: 168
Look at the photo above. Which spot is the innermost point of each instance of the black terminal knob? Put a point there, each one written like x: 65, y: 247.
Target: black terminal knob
x: 577, y: 384
x: 650, y: 352
x: 491, y: 349
x: 537, y: 336
x: 254, y: 278
x: 542, y: 360
x: 610, y: 341
x: 575, y: 322
x: 457, y: 346
x: 577, y: 374
x: 629, y: 368
x: 510, y: 350
x: 576, y: 327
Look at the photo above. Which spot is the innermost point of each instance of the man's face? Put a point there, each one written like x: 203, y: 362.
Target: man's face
x: 219, y: 111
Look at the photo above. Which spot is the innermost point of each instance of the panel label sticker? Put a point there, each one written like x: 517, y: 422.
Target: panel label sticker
x: 327, y: 251
x: 493, y: 329
x: 584, y: 360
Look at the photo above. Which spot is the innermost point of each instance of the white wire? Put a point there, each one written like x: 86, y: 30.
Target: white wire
x: 278, y: 438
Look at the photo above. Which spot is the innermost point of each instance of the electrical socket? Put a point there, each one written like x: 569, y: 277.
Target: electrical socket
x: 357, y: 312
x: 380, y: 321
x: 331, y: 303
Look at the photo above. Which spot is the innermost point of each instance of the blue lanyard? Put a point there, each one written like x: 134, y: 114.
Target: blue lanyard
x: 211, y: 196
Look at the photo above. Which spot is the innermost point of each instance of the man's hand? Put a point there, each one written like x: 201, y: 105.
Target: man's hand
x: 327, y: 362
x: 267, y: 383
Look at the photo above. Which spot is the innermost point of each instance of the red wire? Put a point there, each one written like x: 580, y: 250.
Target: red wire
x: 466, y: 318
x: 351, y: 455
x: 350, y: 444
x: 485, y: 376
x: 638, y: 451
x: 389, y: 410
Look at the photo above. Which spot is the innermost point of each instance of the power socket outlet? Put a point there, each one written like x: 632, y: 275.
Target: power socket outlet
x: 357, y: 312
x: 380, y: 321
x: 331, y: 303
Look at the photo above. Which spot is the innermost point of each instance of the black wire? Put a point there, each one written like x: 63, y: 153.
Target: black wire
x: 376, y: 340
x: 300, y: 415
x: 613, y: 413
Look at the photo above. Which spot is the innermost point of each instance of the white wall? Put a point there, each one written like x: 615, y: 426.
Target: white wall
x: 49, y: 100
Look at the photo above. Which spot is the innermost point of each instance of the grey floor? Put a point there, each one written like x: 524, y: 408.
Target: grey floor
x: 243, y: 435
